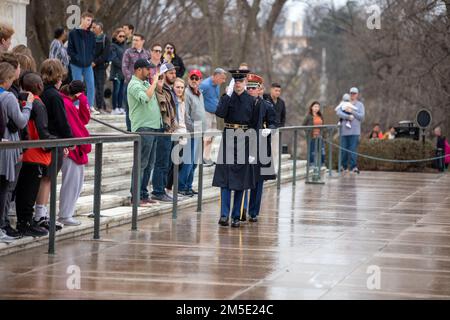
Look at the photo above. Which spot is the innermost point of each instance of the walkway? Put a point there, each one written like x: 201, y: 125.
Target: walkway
x: 313, y: 242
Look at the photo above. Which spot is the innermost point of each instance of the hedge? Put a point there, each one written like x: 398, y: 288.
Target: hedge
x: 397, y: 149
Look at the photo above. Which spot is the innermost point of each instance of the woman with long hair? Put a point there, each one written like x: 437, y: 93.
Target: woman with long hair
x: 315, y: 118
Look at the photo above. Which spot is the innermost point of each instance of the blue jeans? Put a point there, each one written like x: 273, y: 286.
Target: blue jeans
x: 118, y: 93
x: 162, y: 165
x: 86, y: 75
x: 312, y: 152
x: 148, y: 156
x: 190, y: 161
x: 127, y: 111
x: 349, y: 160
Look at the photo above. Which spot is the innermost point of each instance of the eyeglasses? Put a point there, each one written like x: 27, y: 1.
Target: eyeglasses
x: 121, y: 36
x: 252, y: 88
x: 194, y: 78
x: 157, y: 51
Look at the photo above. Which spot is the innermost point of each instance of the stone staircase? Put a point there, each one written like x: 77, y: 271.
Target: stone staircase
x: 116, y: 183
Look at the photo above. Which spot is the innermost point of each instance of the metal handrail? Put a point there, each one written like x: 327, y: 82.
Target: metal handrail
x: 126, y: 136
x: 98, y: 141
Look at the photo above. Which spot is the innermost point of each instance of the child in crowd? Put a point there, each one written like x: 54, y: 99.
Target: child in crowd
x: 73, y: 166
x: 12, y: 116
x: 35, y: 161
x: 344, y: 105
x: 53, y: 73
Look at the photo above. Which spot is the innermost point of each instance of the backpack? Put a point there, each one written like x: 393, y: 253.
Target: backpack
x: 447, y: 152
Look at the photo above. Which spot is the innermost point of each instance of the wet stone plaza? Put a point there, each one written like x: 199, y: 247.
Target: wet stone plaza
x: 374, y: 236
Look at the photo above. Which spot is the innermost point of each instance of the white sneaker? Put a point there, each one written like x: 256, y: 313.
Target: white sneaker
x: 69, y: 222
x: 116, y: 112
x: 122, y: 111
x: 95, y: 112
x: 5, y: 238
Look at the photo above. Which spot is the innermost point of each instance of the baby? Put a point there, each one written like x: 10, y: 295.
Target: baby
x: 344, y: 105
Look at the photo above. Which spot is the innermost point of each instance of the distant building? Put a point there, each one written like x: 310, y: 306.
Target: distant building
x: 289, y: 42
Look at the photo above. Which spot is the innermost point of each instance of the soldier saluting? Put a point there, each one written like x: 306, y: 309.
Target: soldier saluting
x: 236, y: 168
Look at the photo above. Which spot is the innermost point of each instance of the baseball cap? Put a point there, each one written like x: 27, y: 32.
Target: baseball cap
x: 354, y: 90
x: 142, y: 63
x: 166, y: 67
x: 196, y: 72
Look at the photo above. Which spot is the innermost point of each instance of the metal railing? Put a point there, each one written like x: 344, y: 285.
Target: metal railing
x: 98, y: 141
x: 125, y: 136
x: 316, y: 177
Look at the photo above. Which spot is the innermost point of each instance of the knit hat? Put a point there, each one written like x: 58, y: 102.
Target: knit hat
x: 76, y: 87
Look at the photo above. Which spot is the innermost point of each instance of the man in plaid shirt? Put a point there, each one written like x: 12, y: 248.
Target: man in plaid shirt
x: 135, y: 53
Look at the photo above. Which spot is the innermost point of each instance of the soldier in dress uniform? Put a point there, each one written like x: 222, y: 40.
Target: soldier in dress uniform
x: 231, y: 173
x: 266, y: 120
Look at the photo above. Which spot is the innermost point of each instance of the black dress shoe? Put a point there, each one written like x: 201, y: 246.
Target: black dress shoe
x: 253, y: 220
x: 224, y: 222
x: 244, y: 215
x: 193, y: 192
x: 236, y: 223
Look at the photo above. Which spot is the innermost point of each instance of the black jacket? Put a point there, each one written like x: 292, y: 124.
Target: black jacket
x: 57, y: 118
x: 102, y: 49
x: 280, y: 110
x: 81, y: 47
x: 117, y: 51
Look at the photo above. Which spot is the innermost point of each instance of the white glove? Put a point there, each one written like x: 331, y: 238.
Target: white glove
x: 266, y: 132
x: 230, y: 90
x: 251, y: 159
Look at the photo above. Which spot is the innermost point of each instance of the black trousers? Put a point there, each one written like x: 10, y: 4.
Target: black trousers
x: 27, y: 190
x: 99, y: 80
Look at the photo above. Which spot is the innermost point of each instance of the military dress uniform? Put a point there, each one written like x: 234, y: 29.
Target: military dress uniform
x: 239, y: 115
x: 266, y: 119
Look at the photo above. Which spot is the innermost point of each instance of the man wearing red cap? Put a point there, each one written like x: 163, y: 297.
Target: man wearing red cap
x: 195, y: 112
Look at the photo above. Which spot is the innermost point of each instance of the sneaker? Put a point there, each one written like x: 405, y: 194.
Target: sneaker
x: 253, y: 219
x: 4, y: 238
x: 193, y: 192
x: 116, y: 112
x: 32, y: 230
x: 356, y: 170
x: 44, y: 222
x: 69, y: 222
x: 95, y: 112
x: 188, y: 194
x: 11, y: 232
x: 348, y: 125
x: 162, y: 198
x: 122, y: 111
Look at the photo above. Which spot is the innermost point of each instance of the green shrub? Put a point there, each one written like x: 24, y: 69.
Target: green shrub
x: 398, y: 149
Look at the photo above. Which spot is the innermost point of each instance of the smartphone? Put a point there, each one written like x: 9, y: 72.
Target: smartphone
x: 23, y: 96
